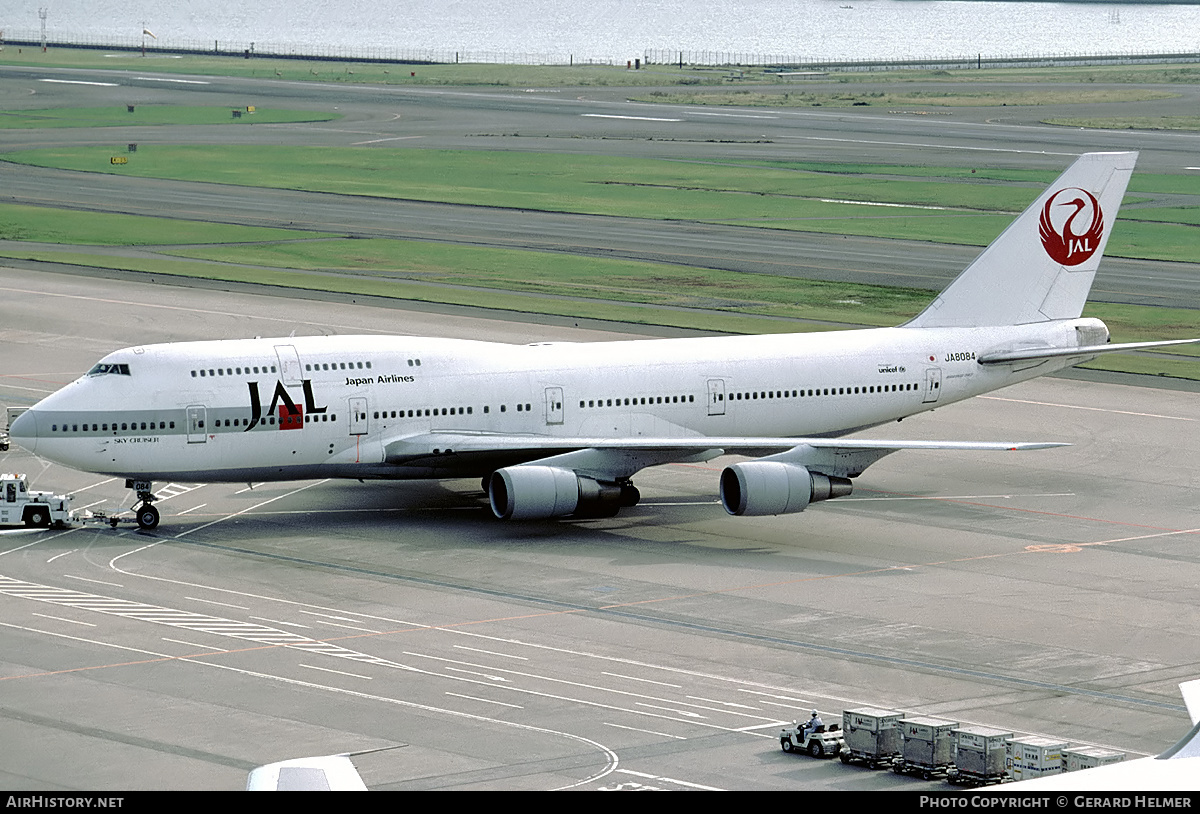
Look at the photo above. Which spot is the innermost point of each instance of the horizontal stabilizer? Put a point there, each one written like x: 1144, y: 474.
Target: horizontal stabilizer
x: 1082, y: 350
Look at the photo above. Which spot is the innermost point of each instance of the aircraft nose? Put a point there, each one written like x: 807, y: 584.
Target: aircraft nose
x: 24, y: 430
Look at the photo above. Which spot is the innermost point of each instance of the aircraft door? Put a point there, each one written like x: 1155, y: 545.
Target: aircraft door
x: 289, y: 364
x: 358, y: 416
x: 933, y: 384
x: 554, y: 405
x: 197, y: 431
x: 716, y: 397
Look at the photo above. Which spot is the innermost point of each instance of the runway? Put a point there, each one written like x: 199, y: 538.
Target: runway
x: 1045, y: 592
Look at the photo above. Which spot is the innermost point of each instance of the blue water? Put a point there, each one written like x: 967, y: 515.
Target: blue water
x: 620, y: 30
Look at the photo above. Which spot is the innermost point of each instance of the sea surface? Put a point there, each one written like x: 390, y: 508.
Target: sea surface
x: 620, y: 30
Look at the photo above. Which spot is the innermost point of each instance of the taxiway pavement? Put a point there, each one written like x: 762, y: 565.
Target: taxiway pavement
x: 1048, y: 592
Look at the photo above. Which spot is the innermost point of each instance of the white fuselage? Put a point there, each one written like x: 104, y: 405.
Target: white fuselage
x: 283, y: 409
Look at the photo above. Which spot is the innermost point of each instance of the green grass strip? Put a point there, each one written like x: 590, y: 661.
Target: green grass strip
x: 46, y: 225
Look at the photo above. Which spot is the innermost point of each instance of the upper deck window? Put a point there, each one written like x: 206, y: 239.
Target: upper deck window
x: 106, y: 368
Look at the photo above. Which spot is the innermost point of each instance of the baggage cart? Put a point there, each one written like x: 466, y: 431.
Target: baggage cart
x: 1089, y: 757
x: 980, y: 756
x: 927, y: 749
x: 1034, y: 756
x: 872, y: 736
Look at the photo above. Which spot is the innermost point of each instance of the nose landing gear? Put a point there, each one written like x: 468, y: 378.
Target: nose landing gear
x: 147, y: 515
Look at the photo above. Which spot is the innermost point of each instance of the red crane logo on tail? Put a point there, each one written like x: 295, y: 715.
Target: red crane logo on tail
x: 1071, y: 226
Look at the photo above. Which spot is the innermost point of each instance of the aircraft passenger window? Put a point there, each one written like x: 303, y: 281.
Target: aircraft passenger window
x: 368, y: 365
x: 193, y: 374
x: 172, y: 425
x: 487, y: 408
x: 470, y: 411
x: 123, y: 427
x: 503, y: 408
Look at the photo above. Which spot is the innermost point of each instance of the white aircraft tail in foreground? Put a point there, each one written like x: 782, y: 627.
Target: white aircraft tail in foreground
x: 558, y: 429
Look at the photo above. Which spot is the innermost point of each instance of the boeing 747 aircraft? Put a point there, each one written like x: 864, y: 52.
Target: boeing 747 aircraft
x: 558, y: 429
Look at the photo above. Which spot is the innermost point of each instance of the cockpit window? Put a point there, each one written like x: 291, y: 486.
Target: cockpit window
x: 108, y: 368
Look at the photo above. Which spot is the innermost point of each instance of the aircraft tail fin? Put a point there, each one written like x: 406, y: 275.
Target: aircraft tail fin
x: 1041, y: 267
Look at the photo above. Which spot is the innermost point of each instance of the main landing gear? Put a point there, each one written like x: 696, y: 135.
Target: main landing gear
x: 147, y: 515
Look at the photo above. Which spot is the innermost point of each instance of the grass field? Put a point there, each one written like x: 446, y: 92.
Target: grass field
x: 850, y: 97
x: 932, y: 204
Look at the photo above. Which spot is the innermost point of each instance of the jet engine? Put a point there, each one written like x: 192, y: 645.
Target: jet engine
x: 773, y: 487
x: 540, y: 492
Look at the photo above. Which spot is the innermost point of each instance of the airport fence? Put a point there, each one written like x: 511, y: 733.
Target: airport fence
x: 662, y: 57
x: 978, y: 61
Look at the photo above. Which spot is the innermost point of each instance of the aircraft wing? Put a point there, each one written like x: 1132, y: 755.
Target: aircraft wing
x: 616, y: 458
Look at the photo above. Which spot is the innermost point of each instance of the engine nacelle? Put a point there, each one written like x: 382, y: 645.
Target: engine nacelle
x: 540, y: 492
x: 773, y: 487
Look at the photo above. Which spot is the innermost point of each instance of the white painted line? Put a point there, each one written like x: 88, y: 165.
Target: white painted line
x: 633, y: 118
x: 214, y: 602
x: 731, y: 115
x: 881, y: 203
x: 490, y: 652
x: 80, y: 82
x: 484, y: 700
x: 963, y: 497
x: 205, y: 647
x: 378, y: 140
x: 646, y: 680
x: 281, y: 622
x: 251, y: 508
x: 338, y: 672
x: 65, y: 553
x: 684, y: 783
x: 646, y: 732
x: 1093, y: 409
x: 176, y: 81
x: 61, y: 619
x: 187, y: 511
x: 97, y: 581
x: 685, y: 713
x: 721, y: 703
